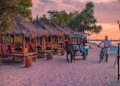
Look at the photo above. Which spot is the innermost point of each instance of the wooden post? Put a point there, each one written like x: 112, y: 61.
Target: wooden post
x: 23, y: 48
x: 0, y: 48
x: 66, y: 38
x: 118, y: 59
x: 30, y: 39
x: 36, y: 44
x: 3, y: 40
x: 39, y: 41
x: 14, y: 39
x: 43, y: 44
x: 35, y: 47
x: 0, y: 43
x: 63, y: 38
x: 60, y: 41
x: 51, y: 41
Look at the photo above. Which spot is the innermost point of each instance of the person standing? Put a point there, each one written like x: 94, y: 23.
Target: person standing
x: 84, y: 41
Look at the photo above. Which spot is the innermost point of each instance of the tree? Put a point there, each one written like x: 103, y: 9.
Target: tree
x: 61, y: 17
x: 44, y: 19
x: 11, y: 8
x: 85, y: 20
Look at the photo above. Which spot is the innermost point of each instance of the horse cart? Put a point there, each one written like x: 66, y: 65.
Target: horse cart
x: 76, y: 47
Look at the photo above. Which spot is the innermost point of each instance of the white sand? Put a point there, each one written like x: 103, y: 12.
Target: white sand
x: 58, y: 72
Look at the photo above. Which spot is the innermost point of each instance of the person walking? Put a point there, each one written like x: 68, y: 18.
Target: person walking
x: 106, y: 47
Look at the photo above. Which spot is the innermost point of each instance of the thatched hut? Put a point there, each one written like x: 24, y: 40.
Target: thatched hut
x: 54, y: 33
x: 22, y: 29
x: 67, y: 32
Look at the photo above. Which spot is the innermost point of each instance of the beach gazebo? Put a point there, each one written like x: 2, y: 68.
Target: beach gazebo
x: 67, y: 33
x: 53, y: 32
x: 43, y: 36
x: 22, y: 29
x: 57, y: 36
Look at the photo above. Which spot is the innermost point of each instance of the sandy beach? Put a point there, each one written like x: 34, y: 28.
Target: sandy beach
x: 58, y: 72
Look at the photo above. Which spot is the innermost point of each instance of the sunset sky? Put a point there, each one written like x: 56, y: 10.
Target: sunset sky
x: 107, y: 13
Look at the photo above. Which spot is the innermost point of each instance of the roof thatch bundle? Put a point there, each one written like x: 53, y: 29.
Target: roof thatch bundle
x: 52, y: 30
x: 67, y: 30
x: 22, y: 27
x: 61, y: 29
x: 56, y: 28
x: 42, y: 28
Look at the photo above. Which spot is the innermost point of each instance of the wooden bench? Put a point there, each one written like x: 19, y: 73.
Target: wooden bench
x: 27, y: 57
x: 61, y: 51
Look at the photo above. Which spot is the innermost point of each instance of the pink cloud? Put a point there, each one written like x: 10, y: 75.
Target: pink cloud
x: 106, y: 11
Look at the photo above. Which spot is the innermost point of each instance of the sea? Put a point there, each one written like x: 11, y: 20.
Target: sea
x: 113, y: 49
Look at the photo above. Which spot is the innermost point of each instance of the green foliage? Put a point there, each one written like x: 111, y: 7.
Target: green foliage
x: 5, y: 23
x: 57, y: 17
x: 8, y: 40
x: 85, y: 20
x: 61, y: 17
x: 44, y: 19
x: 10, y: 8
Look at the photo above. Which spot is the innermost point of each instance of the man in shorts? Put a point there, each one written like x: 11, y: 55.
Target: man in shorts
x: 106, y: 45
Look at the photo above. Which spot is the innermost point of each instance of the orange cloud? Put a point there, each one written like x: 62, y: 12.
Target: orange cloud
x: 112, y: 30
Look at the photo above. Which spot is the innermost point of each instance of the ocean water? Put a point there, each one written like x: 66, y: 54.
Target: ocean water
x: 113, y: 49
x: 114, y: 42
